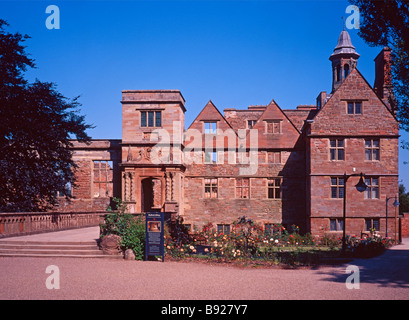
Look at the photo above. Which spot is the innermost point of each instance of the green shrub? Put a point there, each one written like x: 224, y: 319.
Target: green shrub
x: 131, y: 229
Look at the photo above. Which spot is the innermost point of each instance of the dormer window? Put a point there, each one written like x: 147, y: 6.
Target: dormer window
x: 354, y: 107
x: 251, y: 123
x: 273, y: 126
x: 210, y: 127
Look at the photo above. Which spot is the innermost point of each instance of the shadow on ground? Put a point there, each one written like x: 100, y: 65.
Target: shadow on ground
x: 390, y: 269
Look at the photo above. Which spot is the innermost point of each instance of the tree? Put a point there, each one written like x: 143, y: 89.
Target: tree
x: 386, y: 23
x: 403, y: 199
x: 37, y: 123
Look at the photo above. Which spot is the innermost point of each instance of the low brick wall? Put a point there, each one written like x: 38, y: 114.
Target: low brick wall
x: 405, y: 225
x: 23, y: 223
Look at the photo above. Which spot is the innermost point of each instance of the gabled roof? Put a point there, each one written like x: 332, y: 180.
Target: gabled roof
x: 332, y: 117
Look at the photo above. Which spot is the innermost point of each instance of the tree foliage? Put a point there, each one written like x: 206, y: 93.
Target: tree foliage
x: 37, y: 123
x: 403, y: 199
x: 386, y: 23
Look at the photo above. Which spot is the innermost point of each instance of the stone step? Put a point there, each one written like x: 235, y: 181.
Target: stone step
x: 51, y: 251
x: 24, y: 242
x: 48, y: 247
x: 84, y: 249
x: 49, y: 255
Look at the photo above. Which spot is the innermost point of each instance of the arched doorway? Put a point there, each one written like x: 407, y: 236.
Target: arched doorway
x: 151, y: 195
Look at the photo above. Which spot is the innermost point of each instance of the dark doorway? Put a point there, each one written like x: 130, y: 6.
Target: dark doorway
x: 151, y: 195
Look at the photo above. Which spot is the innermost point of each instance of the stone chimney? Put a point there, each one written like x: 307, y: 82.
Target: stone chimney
x: 383, y: 81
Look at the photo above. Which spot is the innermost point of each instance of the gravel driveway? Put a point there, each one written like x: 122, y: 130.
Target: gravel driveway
x: 384, y: 277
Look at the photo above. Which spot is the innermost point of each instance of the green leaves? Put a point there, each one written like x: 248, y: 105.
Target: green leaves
x: 37, y: 124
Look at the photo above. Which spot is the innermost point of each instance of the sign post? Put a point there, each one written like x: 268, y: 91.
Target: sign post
x: 154, y: 243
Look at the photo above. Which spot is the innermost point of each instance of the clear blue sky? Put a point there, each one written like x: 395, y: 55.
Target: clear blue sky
x: 236, y: 53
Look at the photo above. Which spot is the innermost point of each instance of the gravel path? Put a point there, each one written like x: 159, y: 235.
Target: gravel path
x: 384, y: 277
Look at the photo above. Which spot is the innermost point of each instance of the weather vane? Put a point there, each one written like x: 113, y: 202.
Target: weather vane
x: 343, y: 23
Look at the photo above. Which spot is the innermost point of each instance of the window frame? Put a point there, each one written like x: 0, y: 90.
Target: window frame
x: 99, y: 182
x: 372, y: 223
x: 224, y: 227
x: 353, y: 104
x: 251, y: 123
x: 338, y: 223
x: 371, y: 187
x: 372, y: 149
x: 210, y: 156
x: 155, y: 119
x: 338, y: 186
x: 274, y: 188
x: 210, y: 129
x: 241, y: 188
x: 336, y: 149
x: 213, y: 185
x: 273, y: 124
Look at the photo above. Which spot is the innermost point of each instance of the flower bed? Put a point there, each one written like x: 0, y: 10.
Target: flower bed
x: 249, y: 243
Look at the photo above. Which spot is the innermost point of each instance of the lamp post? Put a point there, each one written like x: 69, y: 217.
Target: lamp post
x: 395, y: 204
x: 361, y: 187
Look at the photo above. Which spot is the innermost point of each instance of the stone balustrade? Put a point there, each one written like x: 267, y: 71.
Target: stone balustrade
x: 22, y: 223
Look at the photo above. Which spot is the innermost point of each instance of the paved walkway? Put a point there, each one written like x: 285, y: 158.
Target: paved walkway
x: 73, y: 235
x: 383, y: 277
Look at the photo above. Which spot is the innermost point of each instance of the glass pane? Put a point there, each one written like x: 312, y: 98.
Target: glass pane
x: 375, y: 154
x: 375, y: 181
x: 238, y: 192
x: 271, y: 193
x: 332, y: 143
x: 332, y: 154
x: 375, y: 193
x: 277, y: 193
x: 340, y: 225
x: 143, y: 119
x: 219, y: 228
x: 341, y: 181
x: 368, y: 143
x: 341, y: 192
x: 334, y: 192
x: 277, y: 182
x: 367, y: 193
x: 207, y: 156
x: 375, y: 224
x: 333, y: 181
x: 358, y: 107
x: 340, y: 143
x: 350, y: 108
x: 214, y: 191
x: 375, y: 143
x: 332, y: 225
x: 207, y: 192
x: 150, y: 118
x: 276, y: 127
x: 270, y: 127
x: 227, y: 229
x: 96, y: 189
x: 368, y: 154
x: 340, y: 154
x: 368, y: 225
x: 158, y: 120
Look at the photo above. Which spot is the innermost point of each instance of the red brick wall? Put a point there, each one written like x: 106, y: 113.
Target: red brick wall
x: 405, y: 225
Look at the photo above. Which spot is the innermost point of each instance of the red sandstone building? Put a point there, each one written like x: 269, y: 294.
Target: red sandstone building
x: 269, y: 164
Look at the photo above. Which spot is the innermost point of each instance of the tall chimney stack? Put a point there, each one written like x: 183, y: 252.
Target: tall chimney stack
x: 383, y: 79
